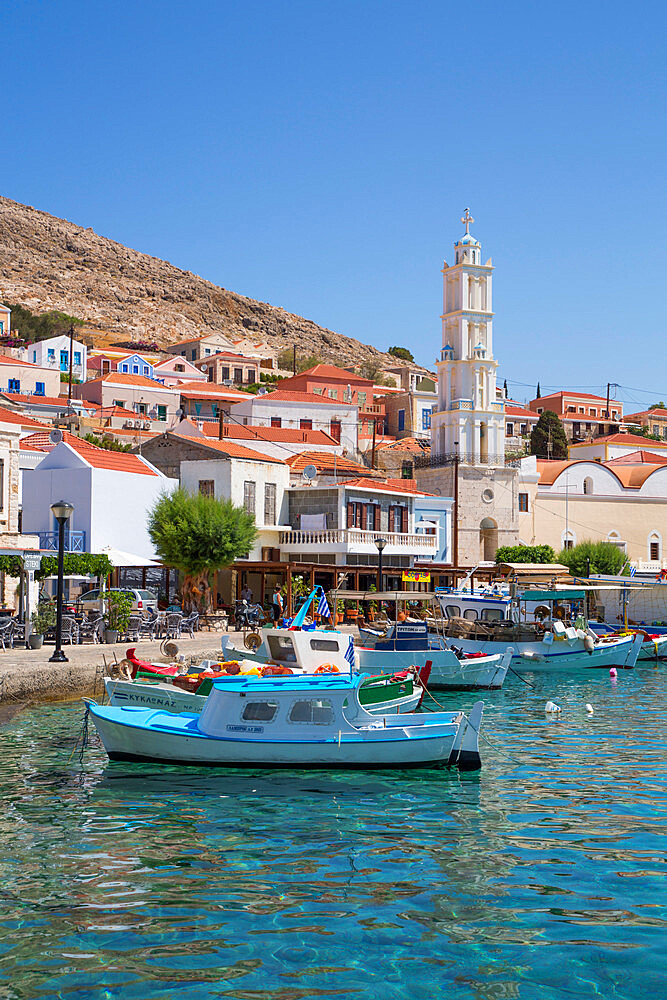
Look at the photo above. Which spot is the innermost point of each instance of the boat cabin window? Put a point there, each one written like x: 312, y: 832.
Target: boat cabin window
x: 470, y: 614
x: 259, y: 711
x: 331, y: 645
x: 452, y: 611
x: 314, y: 711
x: 281, y: 648
x: 492, y: 615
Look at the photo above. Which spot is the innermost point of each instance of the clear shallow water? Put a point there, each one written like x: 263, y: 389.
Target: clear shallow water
x: 541, y: 878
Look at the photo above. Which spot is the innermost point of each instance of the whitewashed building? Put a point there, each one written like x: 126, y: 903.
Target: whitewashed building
x: 302, y: 410
x: 54, y: 353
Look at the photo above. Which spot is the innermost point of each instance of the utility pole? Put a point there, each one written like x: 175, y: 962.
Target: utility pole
x: 221, y: 415
x: 373, y: 448
x: 607, y: 410
x: 550, y: 445
x: 455, y: 519
x: 294, y: 359
x: 71, y: 344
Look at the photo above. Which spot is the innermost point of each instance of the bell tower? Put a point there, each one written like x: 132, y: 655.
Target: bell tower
x: 470, y: 421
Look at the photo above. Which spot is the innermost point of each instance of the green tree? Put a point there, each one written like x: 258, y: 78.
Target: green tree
x: 40, y: 326
x: 658, y: 406
x: 538, y: 394
x: 372, y: 371
x: 525, y: 554
x: 198, y: 535
x: 603, y: 557
x: 547, y: 428
x: 401, y: 352
x: 303, y: 362
x: 109, y: 443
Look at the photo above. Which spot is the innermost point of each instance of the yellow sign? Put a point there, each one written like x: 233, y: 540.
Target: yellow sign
x: 415, y: 576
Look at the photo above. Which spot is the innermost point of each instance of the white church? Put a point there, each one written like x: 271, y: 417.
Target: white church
x: 468, y: 430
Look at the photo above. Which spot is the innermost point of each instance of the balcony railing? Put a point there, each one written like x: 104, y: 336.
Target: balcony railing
x: 371, y: 408
x: 75, y: 541
x: 461, y: 404
x: 464, y: 458
x: 357, y: 539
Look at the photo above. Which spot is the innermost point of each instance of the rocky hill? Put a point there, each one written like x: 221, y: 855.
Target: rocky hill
x: 49, y: 263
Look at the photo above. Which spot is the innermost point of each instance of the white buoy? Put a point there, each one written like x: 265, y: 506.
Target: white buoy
x: 551, y: 708
x: 589, y: 709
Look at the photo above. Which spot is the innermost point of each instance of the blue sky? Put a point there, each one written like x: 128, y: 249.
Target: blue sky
x: 318, y: 156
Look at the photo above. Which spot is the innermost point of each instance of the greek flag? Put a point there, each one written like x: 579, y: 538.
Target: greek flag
x: 323, y: 606
x: 349, y: 654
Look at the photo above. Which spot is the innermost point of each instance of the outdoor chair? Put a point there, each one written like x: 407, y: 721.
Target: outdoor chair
x: 149, y: 626
x: 7, y: 631
x: 172, y: 625
x: 69, y: 631
x: 92, y: 628
x: 190, y: 624
x: 133, y: 629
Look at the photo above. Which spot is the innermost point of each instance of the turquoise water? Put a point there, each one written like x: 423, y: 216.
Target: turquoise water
x: 543, y: 877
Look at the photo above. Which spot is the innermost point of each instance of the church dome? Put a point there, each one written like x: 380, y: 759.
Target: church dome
x: 468, y: 239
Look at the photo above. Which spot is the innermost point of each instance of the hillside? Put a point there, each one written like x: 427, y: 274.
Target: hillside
x: 49, y: 263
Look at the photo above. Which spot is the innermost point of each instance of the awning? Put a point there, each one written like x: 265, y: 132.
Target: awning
x: 553, y: 595
x: 118, y: 557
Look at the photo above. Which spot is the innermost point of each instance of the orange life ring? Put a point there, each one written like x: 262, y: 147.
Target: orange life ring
x: 327, y: 668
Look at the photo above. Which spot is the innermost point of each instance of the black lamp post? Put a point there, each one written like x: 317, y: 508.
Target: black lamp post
x: 62, y: 511
x: 379, y: 545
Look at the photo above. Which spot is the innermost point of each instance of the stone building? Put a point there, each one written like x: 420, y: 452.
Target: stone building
x: 467, y: 459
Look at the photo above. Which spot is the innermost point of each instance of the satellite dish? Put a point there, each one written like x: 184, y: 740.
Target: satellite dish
x: 261, y: 391
x: 153, y: 413
x: 179, y: 414
x: 309, y: 472
x: 55, y: 436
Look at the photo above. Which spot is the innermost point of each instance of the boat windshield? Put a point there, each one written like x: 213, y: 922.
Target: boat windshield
x: 282, y: 649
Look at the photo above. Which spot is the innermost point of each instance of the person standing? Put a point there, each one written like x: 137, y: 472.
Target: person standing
x: 277, y: 604
x: 246, y: 594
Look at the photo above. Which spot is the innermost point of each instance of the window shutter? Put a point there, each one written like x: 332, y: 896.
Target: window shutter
x: 350, y: 515
x: 376, y: 520
x: 404, y: 520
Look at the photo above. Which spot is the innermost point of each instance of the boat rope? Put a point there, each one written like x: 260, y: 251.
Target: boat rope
x: 516, y: 674
x: 82, y: 738
x: 481, y: 735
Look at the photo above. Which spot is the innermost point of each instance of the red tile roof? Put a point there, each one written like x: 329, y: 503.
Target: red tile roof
x: 329, y: 372
x: 519, y: 411
x: 619, y: 438
x: 231, y: 449
x: 209, y: 390
x: 292, y: 396
x: 638, y: 457
x: 6, y: 359
x: 386, y: 486
x: 20, y: 397
x: 98, y: 458
x: 292, y: 435
x: 655, y: 412
x: 124, y: 378
x: 416, y: 446
x: 576, y: 395
x: 8, y: 416
x: 327, y: 464
x: 229, y: 355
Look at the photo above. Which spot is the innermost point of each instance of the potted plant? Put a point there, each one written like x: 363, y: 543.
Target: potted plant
x: 118, y: 617
x: 43, y: 618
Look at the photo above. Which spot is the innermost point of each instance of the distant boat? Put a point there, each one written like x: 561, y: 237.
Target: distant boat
x: 293, y: 722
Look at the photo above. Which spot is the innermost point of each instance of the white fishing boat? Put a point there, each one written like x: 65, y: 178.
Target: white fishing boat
x: 289, y: 721
x: 421, y: 643
x: 400, y: 692
x: 548, y: 642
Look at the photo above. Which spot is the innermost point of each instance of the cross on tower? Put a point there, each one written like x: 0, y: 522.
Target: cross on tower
x: 467, y: 219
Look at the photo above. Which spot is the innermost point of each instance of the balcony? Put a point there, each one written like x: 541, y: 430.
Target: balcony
x: 371, y: 408
x: 461, y: 404
x: 75, y: 541
x: 357, y: 541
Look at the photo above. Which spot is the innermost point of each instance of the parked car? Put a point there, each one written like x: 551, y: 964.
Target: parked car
x: 142, y: 600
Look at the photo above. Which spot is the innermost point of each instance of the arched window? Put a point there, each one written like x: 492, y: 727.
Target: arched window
x: 655, y: 546
x: 588, y: 486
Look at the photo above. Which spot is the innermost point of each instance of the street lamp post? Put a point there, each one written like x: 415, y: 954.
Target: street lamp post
x: 380, y: 544
x: 62, y: 511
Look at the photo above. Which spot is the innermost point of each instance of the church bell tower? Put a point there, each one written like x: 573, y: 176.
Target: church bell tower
x: 470, y: 422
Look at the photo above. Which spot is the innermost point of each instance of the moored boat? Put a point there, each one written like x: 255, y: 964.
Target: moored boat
x: 289, y: 721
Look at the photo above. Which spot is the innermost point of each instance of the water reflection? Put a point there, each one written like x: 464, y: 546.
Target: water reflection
x: 537, y: 878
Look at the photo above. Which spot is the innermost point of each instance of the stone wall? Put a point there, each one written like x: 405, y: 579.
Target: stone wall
x: 485, y: 494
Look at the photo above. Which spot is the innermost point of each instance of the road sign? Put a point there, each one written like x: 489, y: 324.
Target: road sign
x: 32, y: 561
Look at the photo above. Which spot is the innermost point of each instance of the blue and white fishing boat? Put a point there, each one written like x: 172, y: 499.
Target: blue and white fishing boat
x: 289, y: 722
x: 558, y: 638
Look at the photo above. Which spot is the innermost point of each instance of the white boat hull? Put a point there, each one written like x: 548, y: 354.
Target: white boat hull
x: 447, y: 671
x: 561, y: 655
x: 138, y: 734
